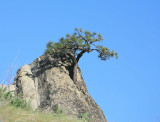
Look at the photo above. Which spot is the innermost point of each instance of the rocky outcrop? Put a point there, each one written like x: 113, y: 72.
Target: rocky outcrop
x: 48, y: 83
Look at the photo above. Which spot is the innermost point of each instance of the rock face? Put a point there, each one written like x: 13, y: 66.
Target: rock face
x: 48, y: 83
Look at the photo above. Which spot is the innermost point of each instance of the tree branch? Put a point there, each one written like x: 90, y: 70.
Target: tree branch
x: 80, y: 54
x: 93, y: 50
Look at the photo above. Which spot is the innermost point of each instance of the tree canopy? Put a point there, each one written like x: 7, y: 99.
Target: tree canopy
x: 78, y: 43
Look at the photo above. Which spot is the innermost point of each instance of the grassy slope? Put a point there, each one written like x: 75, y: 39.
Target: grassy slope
x: 14, y: 109
x: 10, y: 113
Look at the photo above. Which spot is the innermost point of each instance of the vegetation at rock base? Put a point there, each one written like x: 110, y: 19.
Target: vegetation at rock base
x: 79, y: 43
x: 86, y: 116
x: 9, y: 113
x: 7, y: 97
x: 14, y: 109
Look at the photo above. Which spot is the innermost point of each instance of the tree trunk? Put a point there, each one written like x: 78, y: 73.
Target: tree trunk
x: 75, y: 72
x: 76, y: 65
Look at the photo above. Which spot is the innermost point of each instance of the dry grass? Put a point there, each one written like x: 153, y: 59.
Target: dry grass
x: 9, y: 113
x: 13, y: 109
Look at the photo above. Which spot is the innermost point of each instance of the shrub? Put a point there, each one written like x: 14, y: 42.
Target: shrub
x: 15, y: 101
x: 86, y: 117
x: 18, y: 102
x: 4, y: 95
x: 58, y: 111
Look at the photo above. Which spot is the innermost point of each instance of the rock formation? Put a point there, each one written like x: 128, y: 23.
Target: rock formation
x: 48, y: 83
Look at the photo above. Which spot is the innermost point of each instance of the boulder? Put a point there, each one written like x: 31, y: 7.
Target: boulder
x: 48, y: 83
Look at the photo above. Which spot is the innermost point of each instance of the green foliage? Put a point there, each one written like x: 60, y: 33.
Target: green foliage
x: 4, y: 95
x: 15, y: 101
x: 20, y: 103
x: 58, y: 111
x: 80, y: 41
x: 105, y: 53
x: 86, y: 117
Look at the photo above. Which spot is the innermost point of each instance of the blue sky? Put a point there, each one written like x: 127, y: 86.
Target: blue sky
x: 127, y: 89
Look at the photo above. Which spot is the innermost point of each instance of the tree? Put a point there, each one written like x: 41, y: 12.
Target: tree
x: 79, y: 43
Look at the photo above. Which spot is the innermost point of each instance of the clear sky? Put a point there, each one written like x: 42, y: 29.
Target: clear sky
x: 127, y: 89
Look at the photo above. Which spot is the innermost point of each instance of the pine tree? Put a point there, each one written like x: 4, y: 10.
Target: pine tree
x: 79, y: 43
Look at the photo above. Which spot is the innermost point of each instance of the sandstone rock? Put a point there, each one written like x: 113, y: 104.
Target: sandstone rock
x: 48, y: 83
